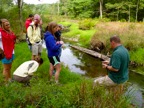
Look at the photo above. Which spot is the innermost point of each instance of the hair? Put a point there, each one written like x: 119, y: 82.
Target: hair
x: 115, y: 38
x: 60, y: 26
x: 2, y: 21
x: 50, y: 27
x: 40, y: 61
x: 31, y: 15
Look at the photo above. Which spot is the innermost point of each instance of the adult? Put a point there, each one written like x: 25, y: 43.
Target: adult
x: 7, y: 44
x: 58, y: 32
x: 29, y: 20
x: 34, y: 35
x: 27, y: 24
x: 118, y: 66
x: 25, y: 71
x: 53, y: 50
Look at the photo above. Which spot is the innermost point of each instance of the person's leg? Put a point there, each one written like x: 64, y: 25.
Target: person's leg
x: 104, y: 81
x: 24, y: 80
x: 34, y: 52
x: 58, y: 69
x: 51, y: 71
x: 6, y: 71
x: 40, y: 50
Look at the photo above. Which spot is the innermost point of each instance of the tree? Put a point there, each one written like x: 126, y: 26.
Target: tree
x: 101, y: 8
x: 20, y: 5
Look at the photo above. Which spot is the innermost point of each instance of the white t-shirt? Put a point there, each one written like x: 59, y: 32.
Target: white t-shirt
x: 26, y: 68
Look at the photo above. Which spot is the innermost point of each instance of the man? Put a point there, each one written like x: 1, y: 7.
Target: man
x: 118, y: 66
x: 29, y: 21
x: 25, y: 71
x: 34, y: 35
x: 27, y: 24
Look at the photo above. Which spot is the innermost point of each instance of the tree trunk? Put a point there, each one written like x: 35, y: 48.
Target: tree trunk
x: 20, y: 4
x: 58, y: 6
x: 137, y: 7
x: 101, y: 8
x: 91, y: 52
x: 129, y: 15
x: 118, y: 14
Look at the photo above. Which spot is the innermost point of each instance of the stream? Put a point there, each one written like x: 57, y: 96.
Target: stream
x: 89, y: 66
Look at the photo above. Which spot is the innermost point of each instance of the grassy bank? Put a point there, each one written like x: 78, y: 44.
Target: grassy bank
x: 75, y: 91
x: 131, y: 35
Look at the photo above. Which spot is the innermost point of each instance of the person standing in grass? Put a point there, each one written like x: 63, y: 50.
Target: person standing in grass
x: 118, y: 66
x: 25, y: 71
x: 53, y: 49
x: 7, y: 44
x: 34, y: 35
x: 27, y: 24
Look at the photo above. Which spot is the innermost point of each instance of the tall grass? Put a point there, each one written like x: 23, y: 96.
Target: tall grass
x: 75, y: 91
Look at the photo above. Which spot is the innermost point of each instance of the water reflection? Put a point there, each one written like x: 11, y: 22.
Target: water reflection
x: 71, y: 61
x: 90, y: 66
x: 82, y: 63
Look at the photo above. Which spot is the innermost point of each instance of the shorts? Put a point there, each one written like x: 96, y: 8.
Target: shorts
x: 6, y: 61
x: 54, y: 60
x: 22, y: 79
x: 36, y: 48
x: 105, y: 81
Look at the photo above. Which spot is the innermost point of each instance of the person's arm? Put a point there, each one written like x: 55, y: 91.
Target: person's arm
x: 30, y: 34
x: 110, y: 68
x: 115, y: 64
x: 52, y: 43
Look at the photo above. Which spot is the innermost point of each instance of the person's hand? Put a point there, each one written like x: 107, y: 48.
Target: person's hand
x: 105, y: 62
x: 104, y: 65
x: 61, y: 42
x: 58, y: 42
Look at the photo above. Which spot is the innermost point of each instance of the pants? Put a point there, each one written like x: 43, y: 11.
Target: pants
x: 22, y: 79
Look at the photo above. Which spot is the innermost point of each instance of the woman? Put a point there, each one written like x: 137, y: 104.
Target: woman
x: 53, y: 49
x: 7, y: 42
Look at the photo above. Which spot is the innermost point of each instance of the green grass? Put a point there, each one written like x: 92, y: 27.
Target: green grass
x: 75, y: 92
x: 83, y: 36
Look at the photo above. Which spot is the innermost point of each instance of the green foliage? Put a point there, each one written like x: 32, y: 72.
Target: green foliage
x: 137, y: 55
x: 75, y: 34
x: 87, y: 24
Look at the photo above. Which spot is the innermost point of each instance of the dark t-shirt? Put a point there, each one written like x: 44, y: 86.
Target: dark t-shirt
x: 120, y: 60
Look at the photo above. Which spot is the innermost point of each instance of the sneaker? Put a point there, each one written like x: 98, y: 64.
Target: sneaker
x: 27, y: 84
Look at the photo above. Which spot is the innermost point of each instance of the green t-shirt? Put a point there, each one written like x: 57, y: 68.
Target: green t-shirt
x: 120, y: 60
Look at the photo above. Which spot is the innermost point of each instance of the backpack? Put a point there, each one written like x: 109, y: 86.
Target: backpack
x: 27, y: 38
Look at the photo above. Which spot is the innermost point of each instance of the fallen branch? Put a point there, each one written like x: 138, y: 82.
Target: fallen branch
x: 91, y: 52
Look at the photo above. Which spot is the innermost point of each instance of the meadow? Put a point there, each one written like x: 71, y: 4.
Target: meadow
x: 74, y: 91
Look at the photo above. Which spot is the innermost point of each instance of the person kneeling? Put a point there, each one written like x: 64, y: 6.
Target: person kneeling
x: 25, y: 71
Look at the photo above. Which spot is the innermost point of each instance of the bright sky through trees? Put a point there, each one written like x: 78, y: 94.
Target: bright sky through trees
x: 40, y: 1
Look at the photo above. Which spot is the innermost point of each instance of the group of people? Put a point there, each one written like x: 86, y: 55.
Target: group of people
x: 117, y: 67
x: 25, y: 71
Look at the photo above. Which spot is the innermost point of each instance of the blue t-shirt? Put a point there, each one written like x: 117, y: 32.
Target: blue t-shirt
x: 120, y: 60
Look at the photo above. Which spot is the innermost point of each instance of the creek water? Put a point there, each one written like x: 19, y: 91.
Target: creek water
x: 91, y: 67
